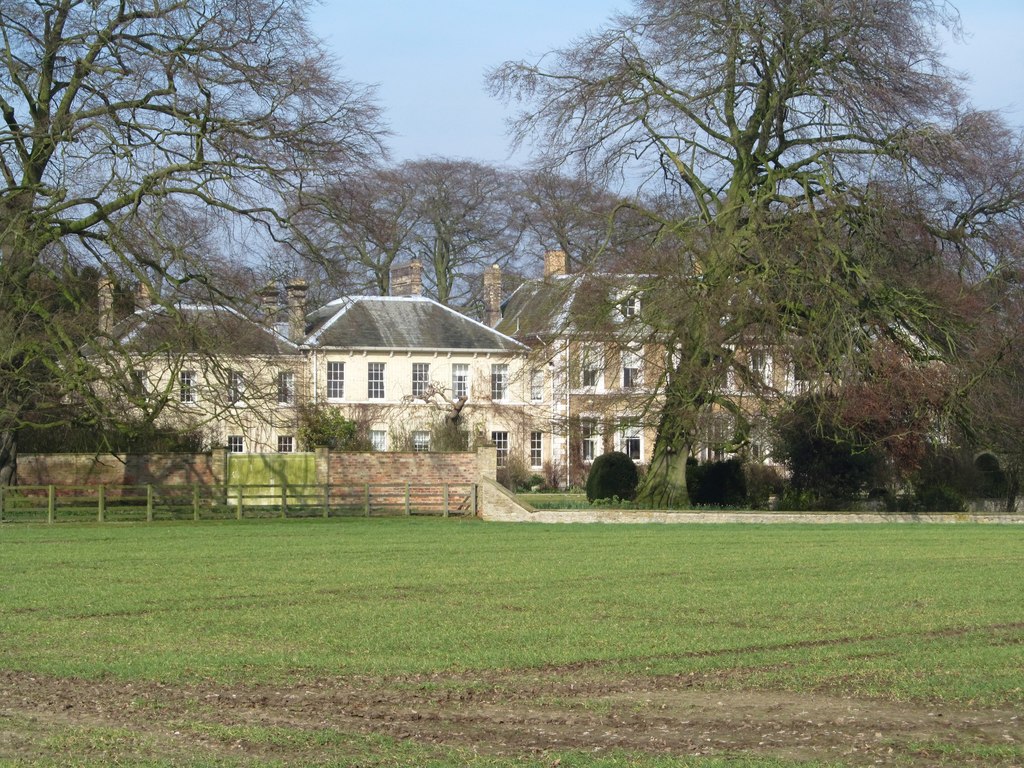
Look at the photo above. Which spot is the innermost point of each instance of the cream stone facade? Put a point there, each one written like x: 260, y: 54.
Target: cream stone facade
x: 549, y: 388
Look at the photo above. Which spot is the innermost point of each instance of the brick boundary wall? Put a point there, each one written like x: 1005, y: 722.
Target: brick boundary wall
x: 73, y: 469
x: 420, y: 468
x: 68, y: 469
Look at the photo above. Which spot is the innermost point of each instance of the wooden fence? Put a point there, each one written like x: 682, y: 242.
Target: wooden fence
x: 120, y: 503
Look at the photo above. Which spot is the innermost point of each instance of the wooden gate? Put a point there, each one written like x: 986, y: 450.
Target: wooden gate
x: 267, y: 478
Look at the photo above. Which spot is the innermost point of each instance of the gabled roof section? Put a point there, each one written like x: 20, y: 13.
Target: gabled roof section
x: 401, y: 322
x: 560, y: 304
x: 539, y: 307
x: 199, y: 328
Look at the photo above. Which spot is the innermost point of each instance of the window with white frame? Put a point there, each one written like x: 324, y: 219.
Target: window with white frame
x: 236, y: 387
x: 589, y: 436
x: 285, y: 444
x: 630, y: 369
x: 138, y: 382
x: 335, y: 381
x: 236, y: 444
x: 187, y: 387
x: 420, y: 379
x: 536, y: 385
x: 801, y: 377
x: 378, y: 439
x: 536, y: 450
x: 375, y: 381
x: 286, y: 388
x: 757, y: 360
x: 719, y: 431
x: 500, y: 440
x: 590, y: 375
x: 499, y: 381
x: 460, y: 380
x: 421, y: 440
x: 630, y: 440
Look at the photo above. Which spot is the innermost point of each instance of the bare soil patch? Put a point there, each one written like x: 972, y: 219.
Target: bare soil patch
x: 515, y: 714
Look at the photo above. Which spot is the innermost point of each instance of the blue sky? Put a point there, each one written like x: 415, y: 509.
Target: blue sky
x: 428, y: 60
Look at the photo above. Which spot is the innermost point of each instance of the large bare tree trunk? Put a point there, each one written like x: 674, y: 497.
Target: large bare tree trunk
x: 664, y: 485
x: 8, y: 456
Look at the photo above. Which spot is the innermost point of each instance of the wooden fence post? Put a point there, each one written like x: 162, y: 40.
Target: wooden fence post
x: 238, y: 502
x: 446, y: 499
x: 472, y: 502
x: 284, y: 500
x: 149, y: 502
x: 367, y: 501
x: 327, y: 500
x: 51, y: 503
x: 101, y: 504
x: 195, y: 501
x: 407, y: 510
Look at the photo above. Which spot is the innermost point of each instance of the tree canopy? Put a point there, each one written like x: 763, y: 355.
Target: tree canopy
x: 111, y: 108
x: 832, y: 187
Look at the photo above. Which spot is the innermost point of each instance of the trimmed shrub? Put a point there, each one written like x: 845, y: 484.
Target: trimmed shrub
x: 763, y: 482
x: 612, y: 475
x: 719, y: 484
x: 992, y: 482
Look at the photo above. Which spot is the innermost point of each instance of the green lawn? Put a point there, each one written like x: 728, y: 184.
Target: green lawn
x: 903, y: 612
x: 928, y: 615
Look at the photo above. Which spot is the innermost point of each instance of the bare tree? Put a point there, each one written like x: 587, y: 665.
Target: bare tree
x: 358, y: 227
x: 109, y: 107
x: 466, y: 220
x: 816, y: 151
x: 596, y: 229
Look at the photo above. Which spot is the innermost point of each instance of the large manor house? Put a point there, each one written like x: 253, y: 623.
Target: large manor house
x: 547, y: 395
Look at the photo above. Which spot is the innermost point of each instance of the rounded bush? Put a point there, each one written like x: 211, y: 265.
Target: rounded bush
x: 719, y: 483
x: 612, y: 475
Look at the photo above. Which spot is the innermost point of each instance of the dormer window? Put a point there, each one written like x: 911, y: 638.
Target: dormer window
x: 630, y: 306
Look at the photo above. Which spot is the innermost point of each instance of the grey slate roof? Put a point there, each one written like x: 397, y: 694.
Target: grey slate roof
x: 539, y: 308
x: 400, y: 322
x: 199, y: 328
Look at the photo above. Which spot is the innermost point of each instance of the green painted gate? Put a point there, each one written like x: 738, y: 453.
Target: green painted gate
x: 271, y: 478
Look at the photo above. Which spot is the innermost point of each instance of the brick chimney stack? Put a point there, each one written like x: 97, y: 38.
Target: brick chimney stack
x: 105, y: 300
x: 296, y: 292
x: 492, y: 296
x: 143, y: 295
x: 269, y: 304
x: 555, y: 263
x: 407, y: 279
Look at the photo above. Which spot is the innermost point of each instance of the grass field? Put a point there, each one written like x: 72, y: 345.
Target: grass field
x: 457, y: 642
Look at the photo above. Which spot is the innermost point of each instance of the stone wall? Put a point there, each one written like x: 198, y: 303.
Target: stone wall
x: 519, y: 513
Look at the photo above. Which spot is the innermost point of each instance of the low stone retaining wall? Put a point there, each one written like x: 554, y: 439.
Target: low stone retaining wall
x: 520, y: 513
